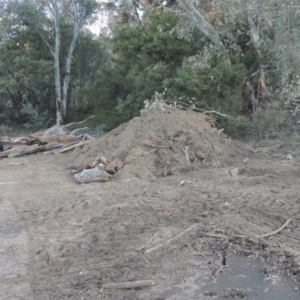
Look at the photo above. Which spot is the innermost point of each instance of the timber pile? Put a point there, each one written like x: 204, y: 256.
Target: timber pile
x: 57, y: 139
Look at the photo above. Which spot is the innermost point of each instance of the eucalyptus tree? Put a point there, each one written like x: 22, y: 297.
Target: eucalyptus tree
x: 45, y: 17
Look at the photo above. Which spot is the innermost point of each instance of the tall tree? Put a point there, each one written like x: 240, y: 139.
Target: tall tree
x: 45, y: 18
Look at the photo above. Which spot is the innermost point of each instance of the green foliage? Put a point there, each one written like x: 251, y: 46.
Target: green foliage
x: 26, y: 75
x: 214, y: 83
x: 90, y: 58
x: 144, y: 56
x: 236, y: 127
x: 6, y: 130
x: 34, y: 119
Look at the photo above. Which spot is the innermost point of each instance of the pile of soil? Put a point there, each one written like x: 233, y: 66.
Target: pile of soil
x: 152, y: 145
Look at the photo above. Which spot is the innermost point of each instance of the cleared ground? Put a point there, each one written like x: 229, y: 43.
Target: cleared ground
x: 60, y: 240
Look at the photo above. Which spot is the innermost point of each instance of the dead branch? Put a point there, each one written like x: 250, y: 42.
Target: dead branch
x: 86, y: 137
x: 78, y: 129
x: 186, y: 153
x: 217, y: 236
x: 129, y: 284
x: 215, y: 112
x: 150, y: 241
x: 219, y: 270
x: 151, y: 151
x: 74, y: 146
x: 156, y: 146
x: 276, y: 231
x: 75, y: 123
x: 171, y: 240
x: 201, y: 253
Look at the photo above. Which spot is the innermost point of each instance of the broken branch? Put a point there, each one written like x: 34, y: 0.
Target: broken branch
x: 74, y: 146
x: 75, y: 123
x: 155, y: 146
x: 215, y: 112
x: 186, y: 153
x: 276, y: 231
x: 129, y: 284
x: 171, y: 240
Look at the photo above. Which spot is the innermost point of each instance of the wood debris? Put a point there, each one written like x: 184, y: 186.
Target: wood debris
x: 97, y: 169
x: 56, y: 137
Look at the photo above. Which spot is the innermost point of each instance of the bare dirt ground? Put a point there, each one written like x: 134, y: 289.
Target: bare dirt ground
x: 194, y: 230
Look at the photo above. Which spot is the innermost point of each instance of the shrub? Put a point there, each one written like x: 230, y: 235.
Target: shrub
x: 35, y: 119
x: 266, y: 122
x: 236, y: 127
x: 215, y: 83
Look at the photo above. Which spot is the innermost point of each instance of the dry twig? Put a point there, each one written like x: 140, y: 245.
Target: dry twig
x: 156, y: 146
x: 276, y: 231
x: 150, y: 241
x: 75, y: 123
x: 74, y: 146
x: 219, y: 270
x: 215, y: 112
x: 171, y: 240
x: 186, y: 153
x: 218, y: 236
x: 129, y: 284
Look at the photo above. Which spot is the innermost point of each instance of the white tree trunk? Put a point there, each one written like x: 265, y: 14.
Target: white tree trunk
x: 53, y: 9
x: 69, y: 57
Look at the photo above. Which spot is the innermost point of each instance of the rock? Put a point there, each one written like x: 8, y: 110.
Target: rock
x: 114, y: 166
x: 200, y: 155
x: 234, y: 172
x: 91, y: 175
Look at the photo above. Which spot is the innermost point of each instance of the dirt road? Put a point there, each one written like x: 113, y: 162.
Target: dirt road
x: 195, y: 235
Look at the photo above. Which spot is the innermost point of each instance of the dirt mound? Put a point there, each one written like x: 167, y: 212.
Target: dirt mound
x: 164, y: 143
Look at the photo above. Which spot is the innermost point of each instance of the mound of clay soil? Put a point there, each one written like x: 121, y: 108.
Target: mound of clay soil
x: 152, y: 145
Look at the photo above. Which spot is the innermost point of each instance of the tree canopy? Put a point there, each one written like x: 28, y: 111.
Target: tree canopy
x: 212, y: 54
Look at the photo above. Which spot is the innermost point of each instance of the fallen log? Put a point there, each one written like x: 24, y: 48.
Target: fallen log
x: 21, y: 151
x: 54, y: 138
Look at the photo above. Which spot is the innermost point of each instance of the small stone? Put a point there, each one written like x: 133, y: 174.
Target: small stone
x: 114, y: 166
x: 200, y: 155
x: 234, y: 172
